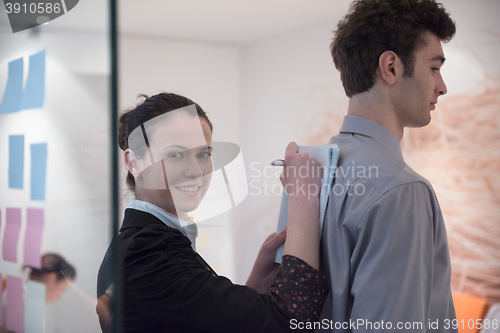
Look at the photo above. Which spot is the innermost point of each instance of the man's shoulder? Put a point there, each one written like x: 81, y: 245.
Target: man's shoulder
x: 366, y: 161
x: 370, y: 175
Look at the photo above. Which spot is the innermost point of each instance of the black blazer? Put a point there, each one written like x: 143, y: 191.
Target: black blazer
x: 168, y: 287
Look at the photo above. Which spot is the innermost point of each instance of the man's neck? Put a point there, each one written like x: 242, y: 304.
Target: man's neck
x: 370, y: 106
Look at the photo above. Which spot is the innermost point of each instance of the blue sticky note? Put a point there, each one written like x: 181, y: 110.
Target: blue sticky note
x: 16, y: 161
x: 34, y: 92
x: 38, y: 170
x: 11, y: 101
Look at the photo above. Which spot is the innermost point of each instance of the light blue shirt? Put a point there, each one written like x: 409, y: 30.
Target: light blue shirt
x: 188, y: 228
x: 384, y: 247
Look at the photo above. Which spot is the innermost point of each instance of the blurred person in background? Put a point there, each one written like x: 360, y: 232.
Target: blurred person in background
x: 56, y: 274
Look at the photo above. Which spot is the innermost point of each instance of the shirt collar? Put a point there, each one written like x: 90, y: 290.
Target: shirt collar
x: 188, y: 228
x: 373, y: 130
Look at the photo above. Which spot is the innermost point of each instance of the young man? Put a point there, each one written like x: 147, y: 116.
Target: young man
x: 384, y: 244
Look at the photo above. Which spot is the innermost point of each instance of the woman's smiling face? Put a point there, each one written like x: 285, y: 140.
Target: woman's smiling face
x: 180, y: 149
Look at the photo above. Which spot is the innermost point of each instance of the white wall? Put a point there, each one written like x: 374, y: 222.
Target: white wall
x: 288, y: 81
x: 206, y: 72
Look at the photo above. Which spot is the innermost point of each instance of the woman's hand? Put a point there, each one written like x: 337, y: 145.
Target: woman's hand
x: 301, y: 176
x: 262, y: 276
x: 103, y: 309
x: 301, y: 179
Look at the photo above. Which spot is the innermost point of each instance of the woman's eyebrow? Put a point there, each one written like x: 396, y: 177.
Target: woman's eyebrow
x: 184, y: 148
x: 176, y: 146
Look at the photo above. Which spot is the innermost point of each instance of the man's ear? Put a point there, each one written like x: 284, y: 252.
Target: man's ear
x: 132, y: 163
x: 390, y: 67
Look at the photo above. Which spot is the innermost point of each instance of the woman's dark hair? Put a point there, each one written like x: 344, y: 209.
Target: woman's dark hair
x: 150, y: 108
x: 52, y: 263
x: 374, y: 26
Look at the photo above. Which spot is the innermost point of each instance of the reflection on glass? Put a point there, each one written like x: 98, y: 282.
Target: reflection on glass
x: 55, y: 183
x: 56, y: 274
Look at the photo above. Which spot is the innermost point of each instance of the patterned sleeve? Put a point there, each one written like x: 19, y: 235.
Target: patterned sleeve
x: 304, y: 303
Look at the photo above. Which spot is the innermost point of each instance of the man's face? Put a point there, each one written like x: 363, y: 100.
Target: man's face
x: 416, y: 96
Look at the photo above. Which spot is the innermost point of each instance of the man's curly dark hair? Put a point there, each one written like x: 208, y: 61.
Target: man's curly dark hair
x: 372, y: 27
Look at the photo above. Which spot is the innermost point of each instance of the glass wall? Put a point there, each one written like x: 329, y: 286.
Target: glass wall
x: 55, y: 165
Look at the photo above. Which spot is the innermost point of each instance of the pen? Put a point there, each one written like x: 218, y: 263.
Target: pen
x: 278, y: 162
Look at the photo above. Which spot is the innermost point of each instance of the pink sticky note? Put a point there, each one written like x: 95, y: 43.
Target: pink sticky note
x: 33, y: 237
x: 15, y: 304
x: 11, y: 234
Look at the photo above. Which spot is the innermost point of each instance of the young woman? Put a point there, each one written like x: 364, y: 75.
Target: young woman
x: 166, y: 285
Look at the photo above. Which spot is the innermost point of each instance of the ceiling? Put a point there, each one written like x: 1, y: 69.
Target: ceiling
x: 225, y: 20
